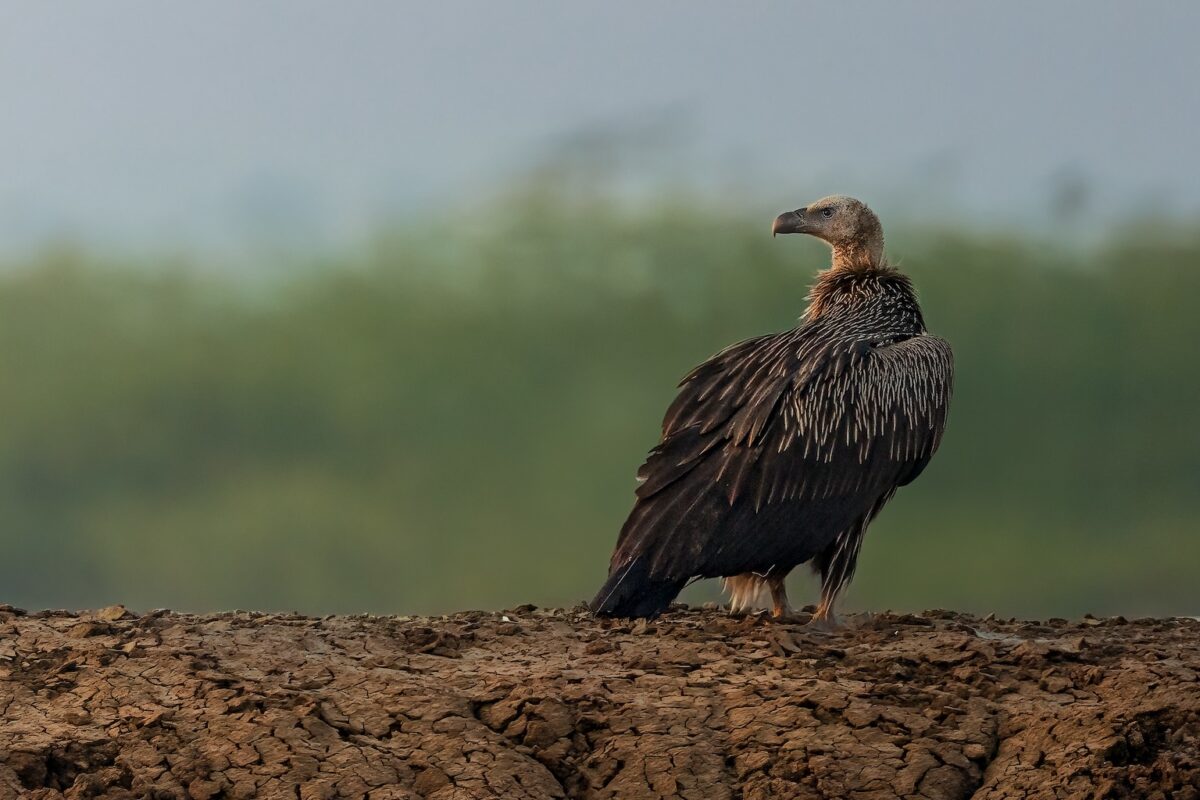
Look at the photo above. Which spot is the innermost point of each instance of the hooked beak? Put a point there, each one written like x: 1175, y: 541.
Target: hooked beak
x: 789, y: 222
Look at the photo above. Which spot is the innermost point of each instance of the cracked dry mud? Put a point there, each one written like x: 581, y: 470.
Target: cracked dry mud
x: 551, y: 704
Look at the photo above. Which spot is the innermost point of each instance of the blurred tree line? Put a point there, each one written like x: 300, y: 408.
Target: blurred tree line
x: 452, y: 417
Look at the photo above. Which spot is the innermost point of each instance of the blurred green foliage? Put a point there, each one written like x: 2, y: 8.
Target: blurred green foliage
x: 452, y: 418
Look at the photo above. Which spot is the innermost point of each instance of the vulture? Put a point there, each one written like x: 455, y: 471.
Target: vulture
x: 781, y: 449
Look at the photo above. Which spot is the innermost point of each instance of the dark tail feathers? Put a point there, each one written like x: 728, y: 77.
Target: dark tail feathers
x: 630, y: 591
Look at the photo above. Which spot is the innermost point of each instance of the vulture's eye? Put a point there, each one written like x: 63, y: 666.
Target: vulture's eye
x: 826, y: 212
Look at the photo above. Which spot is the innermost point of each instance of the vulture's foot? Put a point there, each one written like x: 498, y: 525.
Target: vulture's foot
x: 829, y: 624
x: 824, y: 619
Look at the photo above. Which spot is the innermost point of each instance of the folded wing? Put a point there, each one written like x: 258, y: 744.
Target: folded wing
x: 776, y: 444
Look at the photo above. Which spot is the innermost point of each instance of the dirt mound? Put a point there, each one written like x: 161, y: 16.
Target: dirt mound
x: 550, y: 704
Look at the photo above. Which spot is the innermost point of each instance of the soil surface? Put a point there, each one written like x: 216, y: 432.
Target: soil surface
x: 536, y: 703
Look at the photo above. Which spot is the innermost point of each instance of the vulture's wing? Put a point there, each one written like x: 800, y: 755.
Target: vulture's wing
x: 778, y: 441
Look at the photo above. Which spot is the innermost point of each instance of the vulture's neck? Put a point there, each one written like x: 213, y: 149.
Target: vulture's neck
x: 859, y: 256
x: 862, y: 251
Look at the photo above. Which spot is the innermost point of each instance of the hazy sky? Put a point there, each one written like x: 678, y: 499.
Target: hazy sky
x: 160, y: 122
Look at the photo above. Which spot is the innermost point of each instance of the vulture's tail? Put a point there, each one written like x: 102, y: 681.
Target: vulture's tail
x: 630, y: 591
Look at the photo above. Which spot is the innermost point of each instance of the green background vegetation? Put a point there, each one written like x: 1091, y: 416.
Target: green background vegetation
x: 452, y: 416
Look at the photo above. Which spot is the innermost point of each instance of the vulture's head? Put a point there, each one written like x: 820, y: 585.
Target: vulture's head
x: 850, y: 228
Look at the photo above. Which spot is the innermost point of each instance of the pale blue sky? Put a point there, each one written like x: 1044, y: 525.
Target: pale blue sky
x: 151, y: 122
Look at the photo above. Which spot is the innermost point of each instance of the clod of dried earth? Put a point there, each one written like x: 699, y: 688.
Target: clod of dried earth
x: 553, y: 704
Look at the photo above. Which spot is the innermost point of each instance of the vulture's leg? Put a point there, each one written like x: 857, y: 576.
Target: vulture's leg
x: 824, y: 616
x: 836, y: 567
x: 779, y: 602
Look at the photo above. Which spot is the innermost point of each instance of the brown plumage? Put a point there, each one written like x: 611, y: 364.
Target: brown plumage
x: 781, y: 449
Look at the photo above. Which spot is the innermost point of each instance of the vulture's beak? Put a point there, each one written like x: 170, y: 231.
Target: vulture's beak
x: 788, y: 222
